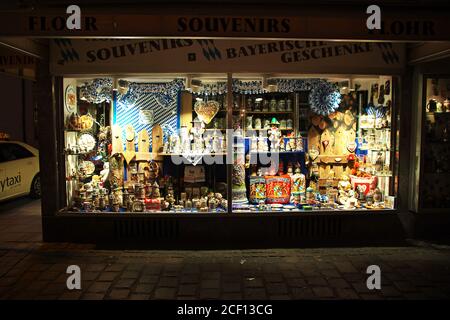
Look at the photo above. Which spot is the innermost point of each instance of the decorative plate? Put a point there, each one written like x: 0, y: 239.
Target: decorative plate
x: 86, y: 142
x: 70, y: 98
x: 86, y: 168
x: 206, y: 111
x: 86, y: 122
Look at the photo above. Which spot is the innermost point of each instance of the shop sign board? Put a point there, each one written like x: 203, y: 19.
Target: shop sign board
x: 108, y: 56
x: 345, y: 23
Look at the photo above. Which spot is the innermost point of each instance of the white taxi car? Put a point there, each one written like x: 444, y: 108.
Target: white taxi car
x: 19, y: 170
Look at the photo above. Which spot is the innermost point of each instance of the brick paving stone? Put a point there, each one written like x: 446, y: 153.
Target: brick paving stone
x: 148, y: 279
x: 360, y: 287
x: 170, y: 282
x: 210, y: 284
x: 354, y: 277
x: 323, y: 292
x: 434, y: 293
x: 108, y: 276
x: 134, y: 267
x: 273, y: 278
x: 144, y: 288
x: 231, y: 296
x: 297, y: 282
x: 89, y: 275
x: 124, y: 283
x: 189, y: 278
x: 303, y: 293
x: 370, y: 296
x: 164, y: 293
x: 139, y: 296
x: 129, y: 275
x: 345, y: 267
x: 208, y: 294
x: 231, y: 287
x: 152, y: 270
x: 255, y: 294
x: 316, y: 281
x: 187, y: 290
x: 115, y: 267
x: 71, y: 295
x: 95, y: 267
x: 253, y: 282
x: 54, y: 288
x: 93, y: 296
x: 280, y: 297
x: 49, y: 275
x: 276, y: 288
x: 346, y: 293
x: 338, y: 283
x: 330, y: 273
x: 7, y: 281
x: 37, y: 285
x: 405, y: 286
x: 393, y: 276
x: 390, y: 291
x: 211, y: 275
x: 119, y: 294
x: 98, y: 287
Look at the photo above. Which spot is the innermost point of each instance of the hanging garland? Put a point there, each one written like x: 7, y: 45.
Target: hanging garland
x: 165, y: 92
x: 97, y: 91
x: 324, y: 97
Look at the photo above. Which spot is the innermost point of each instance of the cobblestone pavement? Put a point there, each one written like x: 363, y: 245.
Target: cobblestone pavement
x: 30, y: 269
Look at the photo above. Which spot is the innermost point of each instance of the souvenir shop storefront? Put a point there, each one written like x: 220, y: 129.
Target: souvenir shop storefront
x: 238, y: 143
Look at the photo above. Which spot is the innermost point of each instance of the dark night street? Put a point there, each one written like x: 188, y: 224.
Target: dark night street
x: 30, y: 269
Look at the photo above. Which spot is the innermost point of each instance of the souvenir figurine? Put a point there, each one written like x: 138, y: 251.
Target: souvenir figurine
x: 258, y: 123
x: 282, y: 146
x: 257, y: 107
x: 377, y: 195
x: 155, y: 193
x: 274, y: 135
x: 289, y: 105
x: 273, y: 105
x: 299, y: 142
x: 281, y: 105
x: 249, y: 123
x: 265, y: 105
x: 289, y: 124
x: 254, y: 143
x: 298, y: 179
x: 262, y: 142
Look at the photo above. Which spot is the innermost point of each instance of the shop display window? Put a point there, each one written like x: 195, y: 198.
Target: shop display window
x: 435, y: 183
x: 187, y: 145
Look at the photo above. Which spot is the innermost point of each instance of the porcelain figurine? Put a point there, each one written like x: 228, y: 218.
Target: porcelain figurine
x: 274, y: 135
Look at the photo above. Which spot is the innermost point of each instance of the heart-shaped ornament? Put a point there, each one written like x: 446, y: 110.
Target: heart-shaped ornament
x: 313, y: 153
x: 351, y: 146
x: 206, y: 111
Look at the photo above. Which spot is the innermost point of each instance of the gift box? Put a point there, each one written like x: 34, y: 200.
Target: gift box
x: 257, y: 189
x: 153, y: 204
x: 278, y: 189
x: 366, y: 184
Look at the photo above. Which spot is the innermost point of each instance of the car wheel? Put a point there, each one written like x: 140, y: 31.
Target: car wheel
x: 35, y: 191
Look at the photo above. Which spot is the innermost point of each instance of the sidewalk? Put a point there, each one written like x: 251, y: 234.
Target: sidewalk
x: 30, y: 269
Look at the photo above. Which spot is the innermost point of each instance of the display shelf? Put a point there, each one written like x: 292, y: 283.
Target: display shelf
x: 277, y: 152
x: 269, y: 112
x: 192, y: 154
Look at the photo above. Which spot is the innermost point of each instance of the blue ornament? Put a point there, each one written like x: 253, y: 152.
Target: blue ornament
x: 324, y: 98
